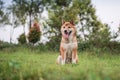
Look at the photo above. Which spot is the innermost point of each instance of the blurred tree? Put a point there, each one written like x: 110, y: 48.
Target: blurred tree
x: 92, y: 29
x: 83, y: 14
x: 6, y: 18
x: 20, y: 13
x: 13, y: 20
x: 3, y: 15
x: 22, y: 39
x: 102, y: 37
x: 34, y: 33
x: 28, y: 9
x: 59, y: 10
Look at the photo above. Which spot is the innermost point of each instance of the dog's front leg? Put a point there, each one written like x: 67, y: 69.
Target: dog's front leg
x: 63, y: 56
x: 74, y: 56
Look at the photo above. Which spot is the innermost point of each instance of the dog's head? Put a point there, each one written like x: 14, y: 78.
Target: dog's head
x: 68, y: 29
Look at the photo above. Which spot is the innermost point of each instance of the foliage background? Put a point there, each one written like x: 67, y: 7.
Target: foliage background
x: 97, y: 49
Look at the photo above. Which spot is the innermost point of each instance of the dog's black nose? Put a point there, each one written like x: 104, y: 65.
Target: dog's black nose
x: 65, y: 31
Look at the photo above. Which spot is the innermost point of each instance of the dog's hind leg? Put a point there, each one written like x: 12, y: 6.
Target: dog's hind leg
x: 59, y: 59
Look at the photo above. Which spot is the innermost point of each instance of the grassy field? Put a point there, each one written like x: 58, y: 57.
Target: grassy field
x: 34, y: 65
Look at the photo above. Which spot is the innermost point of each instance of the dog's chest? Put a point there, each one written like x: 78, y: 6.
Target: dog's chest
x: 69, y: 46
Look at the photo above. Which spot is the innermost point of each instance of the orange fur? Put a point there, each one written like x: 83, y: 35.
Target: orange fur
x: 68, y: 43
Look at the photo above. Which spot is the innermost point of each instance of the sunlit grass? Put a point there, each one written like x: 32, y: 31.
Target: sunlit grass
x: 30, y: 65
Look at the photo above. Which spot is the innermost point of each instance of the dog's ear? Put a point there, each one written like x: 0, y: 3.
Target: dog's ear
x: 72, y: 22
x: 63, y: 21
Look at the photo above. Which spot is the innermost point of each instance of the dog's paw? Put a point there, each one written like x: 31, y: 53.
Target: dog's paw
x: 74, y: 61
x: 63, y: 62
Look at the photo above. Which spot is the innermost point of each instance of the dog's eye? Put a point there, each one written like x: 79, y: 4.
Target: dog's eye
x: 63, y: 27
x: 68, y: 27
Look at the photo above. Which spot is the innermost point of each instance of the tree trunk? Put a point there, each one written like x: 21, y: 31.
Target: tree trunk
x: 24, y: 28
x: 11, y: 33
x: 83, y: 31
x: 30, y: 21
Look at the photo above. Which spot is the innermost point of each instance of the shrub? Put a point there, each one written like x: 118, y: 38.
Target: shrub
x: 54, y: 43
x: 34, y: 33
x: 22, y: 39
x: 6, y: 45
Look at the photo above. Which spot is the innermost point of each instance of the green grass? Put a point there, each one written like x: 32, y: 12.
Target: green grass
x: 26, y: 64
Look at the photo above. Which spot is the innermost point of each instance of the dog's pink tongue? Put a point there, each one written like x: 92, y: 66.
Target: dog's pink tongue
x: 66, y: 36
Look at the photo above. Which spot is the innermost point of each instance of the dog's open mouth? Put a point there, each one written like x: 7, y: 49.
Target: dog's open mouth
x: 67, y: 33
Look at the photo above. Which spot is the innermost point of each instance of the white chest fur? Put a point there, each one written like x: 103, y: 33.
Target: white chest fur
x: 68, y: 47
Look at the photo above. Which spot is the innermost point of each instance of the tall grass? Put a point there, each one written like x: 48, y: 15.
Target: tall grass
x: 32, y: 64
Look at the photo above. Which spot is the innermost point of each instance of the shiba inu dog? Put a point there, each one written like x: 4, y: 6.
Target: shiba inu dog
x: 68, y: 45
